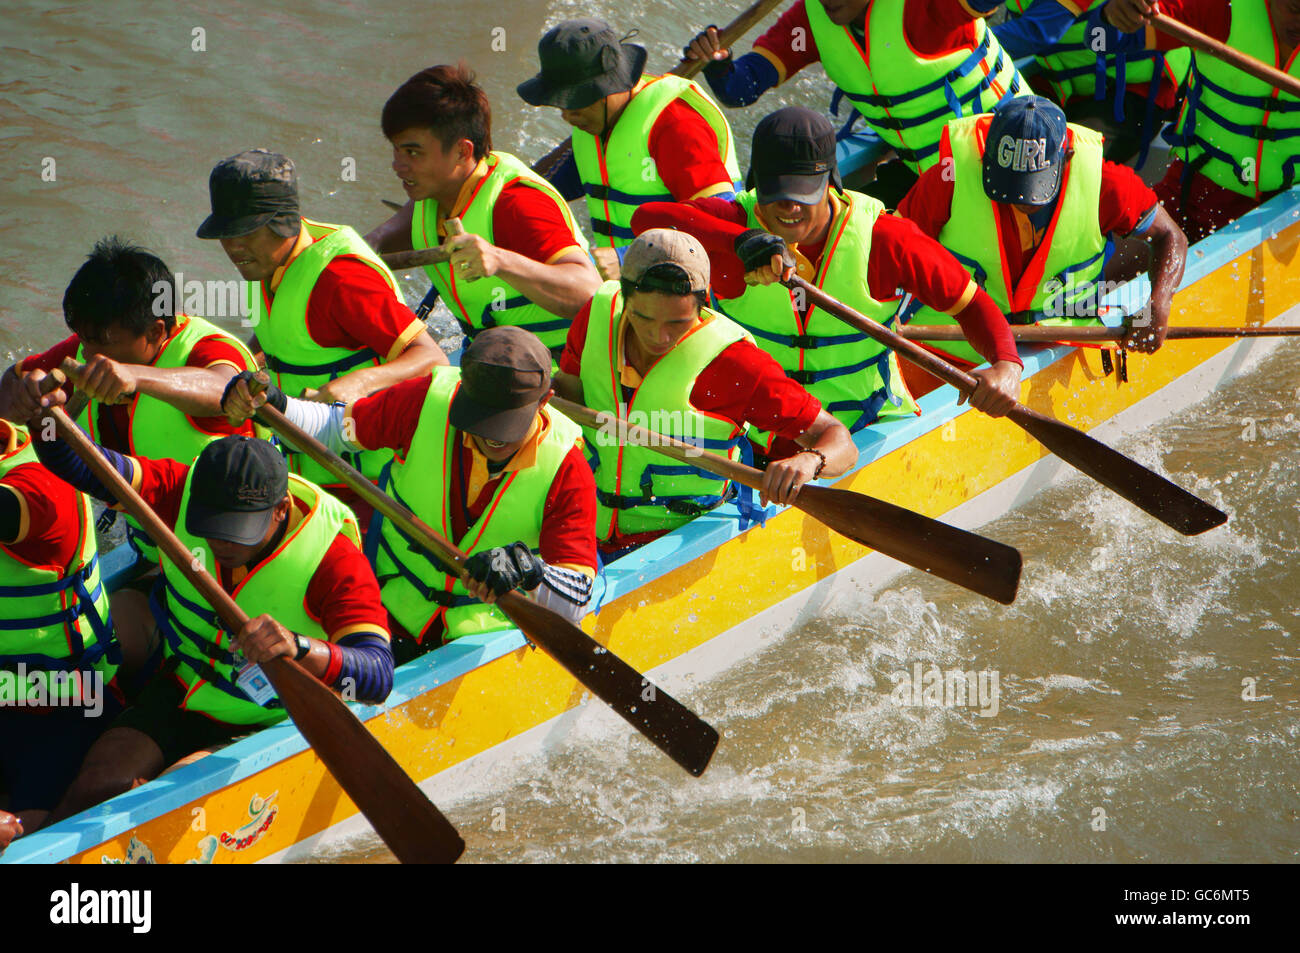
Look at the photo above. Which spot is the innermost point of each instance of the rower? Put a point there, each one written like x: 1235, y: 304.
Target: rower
x: 154, y: 376
x: 1026, y: 202
x: 635, y: 138
x: 522, y: 260
x: 1138, y: 91
x: 797, y: 208
x: 482, y: 460
x: 908, y: 66
x: 55, y: 624
x: 648, y: 344
x: 326, y: 311
x: 289, y: 554
x: 1236, y: 142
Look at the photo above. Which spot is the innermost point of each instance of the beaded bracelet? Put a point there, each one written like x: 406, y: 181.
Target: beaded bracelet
x: 821, y: 466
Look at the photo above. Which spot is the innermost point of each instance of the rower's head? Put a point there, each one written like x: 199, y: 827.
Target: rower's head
x: 121, y: 302
x: 665, y: 281
x: 1025, y: 151
x: 587, y: 72
x: 255, y: 212
x: 844, y: 12
x: 792, y: 166
x: 239, y: 499
x: 440, y: 125
x: 505, y: 381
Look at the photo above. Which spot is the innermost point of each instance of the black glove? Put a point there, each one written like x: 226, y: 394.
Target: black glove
x: 505, y: 568
x: 274, y: 396
x: 756, y: 247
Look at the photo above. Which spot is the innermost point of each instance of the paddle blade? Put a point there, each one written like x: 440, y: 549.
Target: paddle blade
x: 967, y: 559
x: 680, y: 733
x: 1162, y: 498
x: 409, y: 823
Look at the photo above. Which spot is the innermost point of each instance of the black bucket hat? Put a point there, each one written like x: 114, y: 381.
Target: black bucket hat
x: 582, y: 61
x: 247, y: 191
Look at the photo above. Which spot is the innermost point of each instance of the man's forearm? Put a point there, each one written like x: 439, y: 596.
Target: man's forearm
x: 195, y: 391
x: 416, y: 361
x: 561, y: 288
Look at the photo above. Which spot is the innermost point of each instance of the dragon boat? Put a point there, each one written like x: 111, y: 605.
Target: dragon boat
x: 696, y: 601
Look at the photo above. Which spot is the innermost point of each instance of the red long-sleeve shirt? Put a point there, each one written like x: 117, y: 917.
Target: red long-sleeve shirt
x: 901, y: 258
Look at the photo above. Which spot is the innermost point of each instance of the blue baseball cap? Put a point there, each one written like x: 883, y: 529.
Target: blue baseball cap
x: 1025, y: 151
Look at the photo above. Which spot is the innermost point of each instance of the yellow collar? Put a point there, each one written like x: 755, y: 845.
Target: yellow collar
x: 802, y: 265
x: 628, y: 375
x: 525, y: 456
x: 304, y: 239
x: 462, y: 198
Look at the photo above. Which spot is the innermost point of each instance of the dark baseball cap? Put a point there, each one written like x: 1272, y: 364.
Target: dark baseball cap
x: 247, y: 191
x: 236, y: 483
x: 1025, y: 151
x: 793, y: 157
x: 664, y: 259
x: 504, y: 374
x: 582, y: 61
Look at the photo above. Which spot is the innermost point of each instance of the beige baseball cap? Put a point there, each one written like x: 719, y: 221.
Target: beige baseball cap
x: 666, y: 260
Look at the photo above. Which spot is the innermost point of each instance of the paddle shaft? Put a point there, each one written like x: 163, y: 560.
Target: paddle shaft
x: 1235, y: 58
x: 1053, y: 334
x: 982, y: 565
x: 408, y: 822
x: 1158, y: 496
x: 686, y: 68
x: 677, y: 731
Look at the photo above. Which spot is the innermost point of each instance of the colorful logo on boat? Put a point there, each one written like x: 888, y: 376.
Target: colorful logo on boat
x: 261, y: 815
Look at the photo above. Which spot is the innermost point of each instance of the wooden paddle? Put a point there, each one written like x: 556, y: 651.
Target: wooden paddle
x: 1162, y: 498
x: 406, y: 260
x: 1057, y: 334
x: 403, y: 260
x: 675, y: 729
x: 981, y: 565
x: 686, y: 68
x: 1235, y: 58
x: 409, y: 823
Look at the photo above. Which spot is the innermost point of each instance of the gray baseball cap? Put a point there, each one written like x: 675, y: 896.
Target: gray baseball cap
x: 664, y: 259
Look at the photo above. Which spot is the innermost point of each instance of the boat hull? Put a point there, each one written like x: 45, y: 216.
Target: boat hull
x: 695, y: 602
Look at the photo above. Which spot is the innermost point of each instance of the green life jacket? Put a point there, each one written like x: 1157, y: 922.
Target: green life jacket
x: 908, y: 98
x: 638, y: 489
x: 856, y: 379
x: 488, y: 302
x: 1061, y: 280
x: 1236, y: 130
x: 293, y: 357
x: 54, y: 618
x: 619, y: 176
x: 416, y: 587
x: 196, y: 643
x: 155, y: 428
x: 1072, y: 67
